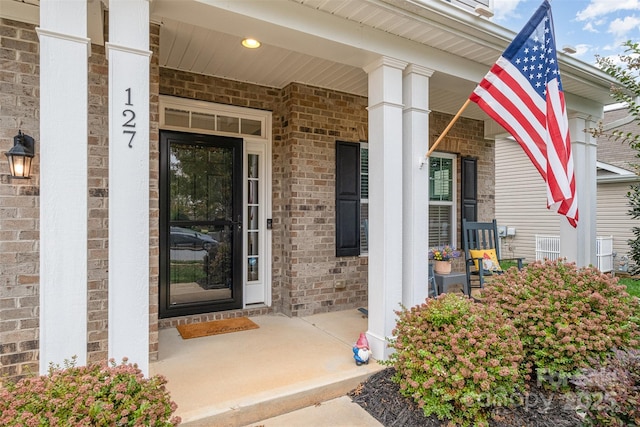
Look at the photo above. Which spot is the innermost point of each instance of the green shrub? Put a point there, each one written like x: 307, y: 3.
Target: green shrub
x: 455, y: 358
x: 94, y: 395
x: 565, y: 315
x: 610, y: 392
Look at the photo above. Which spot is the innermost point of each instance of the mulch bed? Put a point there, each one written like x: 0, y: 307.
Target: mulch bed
x: 381, y: 398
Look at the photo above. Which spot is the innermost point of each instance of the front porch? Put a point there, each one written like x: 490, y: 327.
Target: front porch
x: 244, y: 377
x: 83, y: 247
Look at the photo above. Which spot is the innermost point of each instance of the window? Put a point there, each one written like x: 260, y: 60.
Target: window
x: 188, y: 115
x: 442, y: 186
x: 364, y: 198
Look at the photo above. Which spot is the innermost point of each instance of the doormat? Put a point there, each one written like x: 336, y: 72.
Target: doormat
x: 216, y: 327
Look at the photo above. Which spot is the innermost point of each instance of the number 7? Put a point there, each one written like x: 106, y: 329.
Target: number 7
x: 132, y: 133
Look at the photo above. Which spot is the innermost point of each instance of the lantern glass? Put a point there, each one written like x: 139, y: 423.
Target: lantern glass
x: 19, y: 165
x: 21, y: 155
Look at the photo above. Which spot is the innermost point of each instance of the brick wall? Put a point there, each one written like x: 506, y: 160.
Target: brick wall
x: 154, y: 192
x: 306, y: 123
x: 317, y: 280
x: 19, y: 202
x: 98, y: 215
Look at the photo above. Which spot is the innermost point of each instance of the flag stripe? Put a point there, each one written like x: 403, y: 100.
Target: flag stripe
x: 511, y: 109
x: 523, y: 93
x: 502, y: 115
x: 511, y: 92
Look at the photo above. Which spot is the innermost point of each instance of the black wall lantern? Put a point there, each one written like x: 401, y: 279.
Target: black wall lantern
x: 21, y: 155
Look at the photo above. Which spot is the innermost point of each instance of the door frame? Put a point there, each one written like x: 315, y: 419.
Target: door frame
x: 237, y: 288
x: 256, y: 142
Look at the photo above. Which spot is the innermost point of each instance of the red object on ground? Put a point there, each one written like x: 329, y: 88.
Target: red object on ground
x: 362, y: 341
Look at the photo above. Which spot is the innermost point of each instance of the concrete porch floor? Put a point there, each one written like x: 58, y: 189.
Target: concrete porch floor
x: 286, y: 364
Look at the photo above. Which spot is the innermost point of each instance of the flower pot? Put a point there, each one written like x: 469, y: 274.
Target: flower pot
x: 442, y: 267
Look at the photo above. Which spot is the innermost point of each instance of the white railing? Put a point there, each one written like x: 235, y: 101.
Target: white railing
x: 604, y: 253
x: 549, y: 247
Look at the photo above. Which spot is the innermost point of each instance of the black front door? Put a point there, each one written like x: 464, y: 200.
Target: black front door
x: 200, y: 223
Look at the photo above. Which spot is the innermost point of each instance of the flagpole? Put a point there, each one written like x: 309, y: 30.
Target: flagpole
x: 448, y: 128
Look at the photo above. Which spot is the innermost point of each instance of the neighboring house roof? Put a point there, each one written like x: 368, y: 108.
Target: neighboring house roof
x: 618, y: 155
x: 610, y: 173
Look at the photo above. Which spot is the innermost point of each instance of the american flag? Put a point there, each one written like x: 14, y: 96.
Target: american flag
x: 523, y: 93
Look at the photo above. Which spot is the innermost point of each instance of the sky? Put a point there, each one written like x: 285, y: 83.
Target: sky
x: 590, y: 26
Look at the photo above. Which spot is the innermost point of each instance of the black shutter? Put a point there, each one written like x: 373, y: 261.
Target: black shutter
x: 469, y: 189
x: 347, y: 198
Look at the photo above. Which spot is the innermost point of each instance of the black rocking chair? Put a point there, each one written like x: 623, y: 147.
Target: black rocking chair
x: 482, y: 237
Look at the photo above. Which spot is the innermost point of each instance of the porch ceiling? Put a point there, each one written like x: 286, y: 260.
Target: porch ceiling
x: 196, y: 49
x: 204, y: 36
x: 213, y: 48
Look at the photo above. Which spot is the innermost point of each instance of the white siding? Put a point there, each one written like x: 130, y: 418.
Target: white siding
x: 521, y: 201
x: 613, y: 219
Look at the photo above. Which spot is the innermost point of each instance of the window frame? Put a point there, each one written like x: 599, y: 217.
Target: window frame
x: 454, y: 194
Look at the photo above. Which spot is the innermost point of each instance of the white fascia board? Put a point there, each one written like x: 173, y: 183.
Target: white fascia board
x: 467, y: 24
x: 497, y: 37
x: 584, y: 72
x: 455, y: 20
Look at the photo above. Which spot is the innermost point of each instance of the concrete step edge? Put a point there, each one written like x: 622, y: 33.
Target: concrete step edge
x: 246, y: 415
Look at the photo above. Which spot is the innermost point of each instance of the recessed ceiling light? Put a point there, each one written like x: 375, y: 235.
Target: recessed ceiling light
x: 251, y: 43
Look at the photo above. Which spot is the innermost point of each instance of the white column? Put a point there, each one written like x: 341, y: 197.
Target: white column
x: 129, y: 55
x: 385, y: 200
x: 64, y: 48
x: 415, y: 178
x: 579, y: 244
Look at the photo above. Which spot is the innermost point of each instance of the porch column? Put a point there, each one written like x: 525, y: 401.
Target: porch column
x: 385, y: 200
x: 415, y: 177
x: 129, y: 55
x: 64, y: 49
x: 579, y: 244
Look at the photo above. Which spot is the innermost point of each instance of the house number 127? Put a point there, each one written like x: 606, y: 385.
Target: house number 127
x: 130, y: 117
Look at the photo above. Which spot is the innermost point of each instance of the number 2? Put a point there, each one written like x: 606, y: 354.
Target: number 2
x: 128, y: 123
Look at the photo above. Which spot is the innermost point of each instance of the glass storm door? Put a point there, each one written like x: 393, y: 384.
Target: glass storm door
x: 200, y: 223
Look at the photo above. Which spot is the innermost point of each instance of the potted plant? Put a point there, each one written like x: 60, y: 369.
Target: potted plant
x: 442, y: 258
